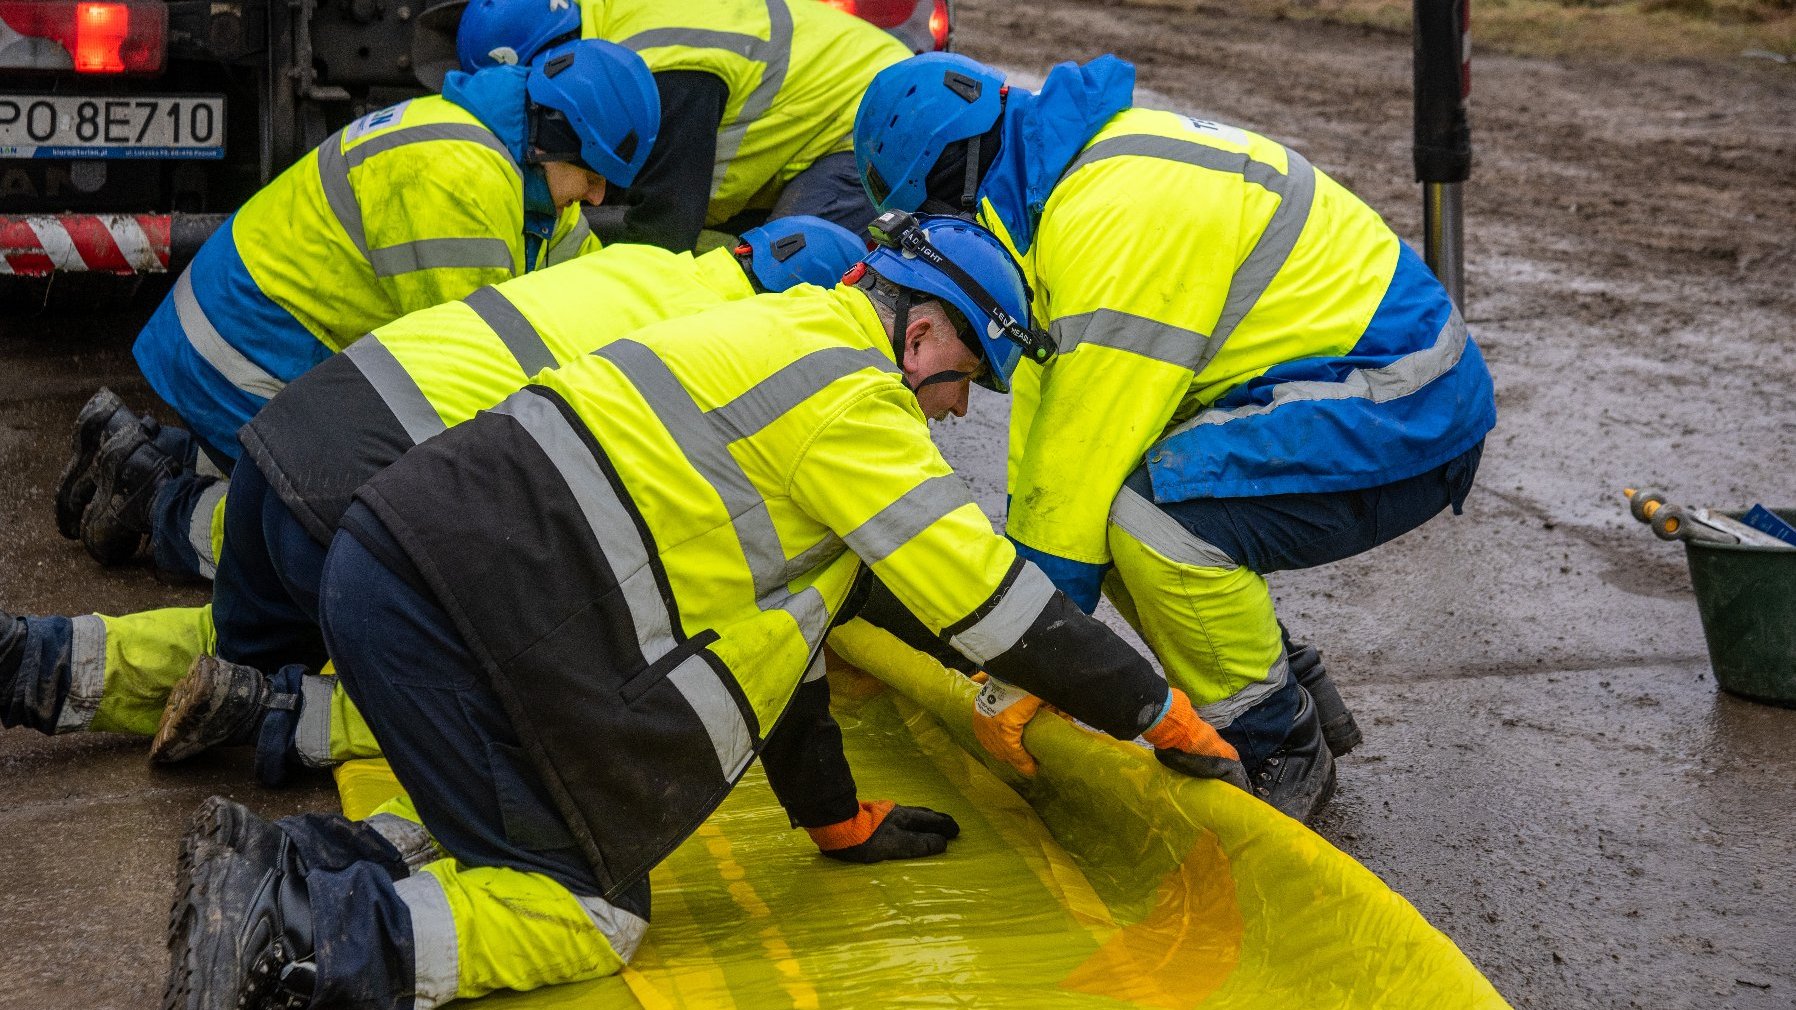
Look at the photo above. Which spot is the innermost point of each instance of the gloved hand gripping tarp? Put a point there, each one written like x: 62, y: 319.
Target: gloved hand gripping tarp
x: 1117, y: 883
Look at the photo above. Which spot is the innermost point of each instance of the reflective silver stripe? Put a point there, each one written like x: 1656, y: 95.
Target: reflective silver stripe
x: 999, y: 630
x: 396, y: 387
x: 517, y: 333
x: 707, y: 452
x: 435, y: 968
x: 441, y: 253
x: 1400, y: 378
x: 717, y: 710
x: 334, y: 165
x: 609, y: 520
x: 819, y: 669
x: 819, y: 553
x: 621, y: 929
x: 1295, y: 188
x: 1296, y: 191
x: 312, y: 734
x: 199, y: 527
x: 87, y: 674
x: 1221, y: 714
x: 731, y: 739
x: 423, y: 133
x: 773, y: 397
x: 414, y: 843
x: 218, y: 352
x: 807, y: 609
x: 913, y: 512
x: 1125, y: 331
x: 333, y: 175
x: 1152, y: 527
x: 569, y: 246
x: 773, y: 52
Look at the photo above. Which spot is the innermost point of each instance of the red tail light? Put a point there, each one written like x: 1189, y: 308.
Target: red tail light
x: 86, y: 36
x: 938, y: 25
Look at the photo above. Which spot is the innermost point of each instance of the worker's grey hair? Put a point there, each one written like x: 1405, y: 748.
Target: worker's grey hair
x: 884, y: 296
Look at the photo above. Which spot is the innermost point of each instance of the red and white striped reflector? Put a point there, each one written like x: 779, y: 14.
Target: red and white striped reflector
x: 125, y: 244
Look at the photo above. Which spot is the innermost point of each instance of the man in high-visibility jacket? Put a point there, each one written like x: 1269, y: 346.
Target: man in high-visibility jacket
x: 1254, y: 374
x: 757, y: 98
x: 318, y: 440
x: 574, y: 621
x: 405, y: 208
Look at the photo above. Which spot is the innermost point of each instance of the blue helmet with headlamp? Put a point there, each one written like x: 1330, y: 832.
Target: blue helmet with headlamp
x: 965, y: 266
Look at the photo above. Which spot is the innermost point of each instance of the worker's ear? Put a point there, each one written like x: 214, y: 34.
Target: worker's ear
x: 917, y: 334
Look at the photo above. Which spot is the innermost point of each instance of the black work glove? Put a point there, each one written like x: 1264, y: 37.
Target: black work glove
x: 883, y: 830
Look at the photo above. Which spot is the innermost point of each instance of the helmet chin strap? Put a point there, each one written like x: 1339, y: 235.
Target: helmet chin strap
x: 900, y: 324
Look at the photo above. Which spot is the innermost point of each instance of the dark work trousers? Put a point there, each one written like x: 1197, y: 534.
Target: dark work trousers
x: 443, y: 730
x: 265, y: 597
x: 1280, y: 532
x: 172, y: 546
x: 830, y: 189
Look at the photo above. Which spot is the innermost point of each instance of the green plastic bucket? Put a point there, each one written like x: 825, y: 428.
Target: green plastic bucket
x: 1747, y: 599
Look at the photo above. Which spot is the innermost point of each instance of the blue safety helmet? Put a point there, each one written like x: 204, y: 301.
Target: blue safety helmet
x: 606, y: 94
x: 788, y: 251
x: 500, y: 32
x: 966, y: 266
x: 911, y: 112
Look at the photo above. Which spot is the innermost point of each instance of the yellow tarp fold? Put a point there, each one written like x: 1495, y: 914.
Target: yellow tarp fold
x: 1114, y: 883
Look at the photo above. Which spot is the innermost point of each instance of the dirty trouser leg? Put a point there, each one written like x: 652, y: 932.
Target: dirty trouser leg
x: 105, y: 674
x: 516, y: 906
x: 830, y: 189
x: 1192, y: 570
x: 266, y: 600
x: 187, y: 514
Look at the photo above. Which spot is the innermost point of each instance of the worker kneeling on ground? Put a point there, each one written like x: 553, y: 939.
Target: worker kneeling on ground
x: 318, y: 440
x: 405, y: 208
x: 757, y: 99
x: 1254, y: 375
x: 574, y: 621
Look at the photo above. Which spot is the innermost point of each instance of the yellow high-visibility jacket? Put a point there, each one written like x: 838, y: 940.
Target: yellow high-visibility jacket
x: 344, y: 421
x: 795, y: 69
x: 405, y: 208
x: 1231, y: 317
x: 646, y: 547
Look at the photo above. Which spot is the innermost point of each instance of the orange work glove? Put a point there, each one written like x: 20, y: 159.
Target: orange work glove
x: 884, y: 830
x: 1184, y: 742
x: 1000, y: 713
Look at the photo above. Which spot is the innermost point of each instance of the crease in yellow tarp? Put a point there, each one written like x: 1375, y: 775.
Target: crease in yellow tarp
x: 1106, y: 882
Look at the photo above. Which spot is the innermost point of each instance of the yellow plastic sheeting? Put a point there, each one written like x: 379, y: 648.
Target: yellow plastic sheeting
x: 1115, y: 883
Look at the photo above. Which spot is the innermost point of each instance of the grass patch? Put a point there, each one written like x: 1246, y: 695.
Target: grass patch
x: 1621, y: 29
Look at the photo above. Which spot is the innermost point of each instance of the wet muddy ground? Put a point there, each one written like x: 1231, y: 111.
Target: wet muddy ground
x: 1549, y: 775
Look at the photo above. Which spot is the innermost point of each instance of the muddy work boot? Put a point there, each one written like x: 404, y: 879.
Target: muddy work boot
x: 217, y: 703
x: 240, y: 932
x: 1299, y: 777
x: 128, y: 470
x: 103, y: 415
x: 1338, y: 725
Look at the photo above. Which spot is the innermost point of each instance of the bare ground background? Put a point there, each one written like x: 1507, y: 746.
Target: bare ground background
x: 1549, y: 774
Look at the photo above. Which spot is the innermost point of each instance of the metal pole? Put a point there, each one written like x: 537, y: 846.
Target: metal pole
x: 1443, y: 139
x: 1443, y: 235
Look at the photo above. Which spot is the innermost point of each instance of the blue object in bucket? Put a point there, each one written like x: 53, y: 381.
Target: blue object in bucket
x: 1761, y: 518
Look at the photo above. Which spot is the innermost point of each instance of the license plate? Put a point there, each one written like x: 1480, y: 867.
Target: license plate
x: 121, y: 126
